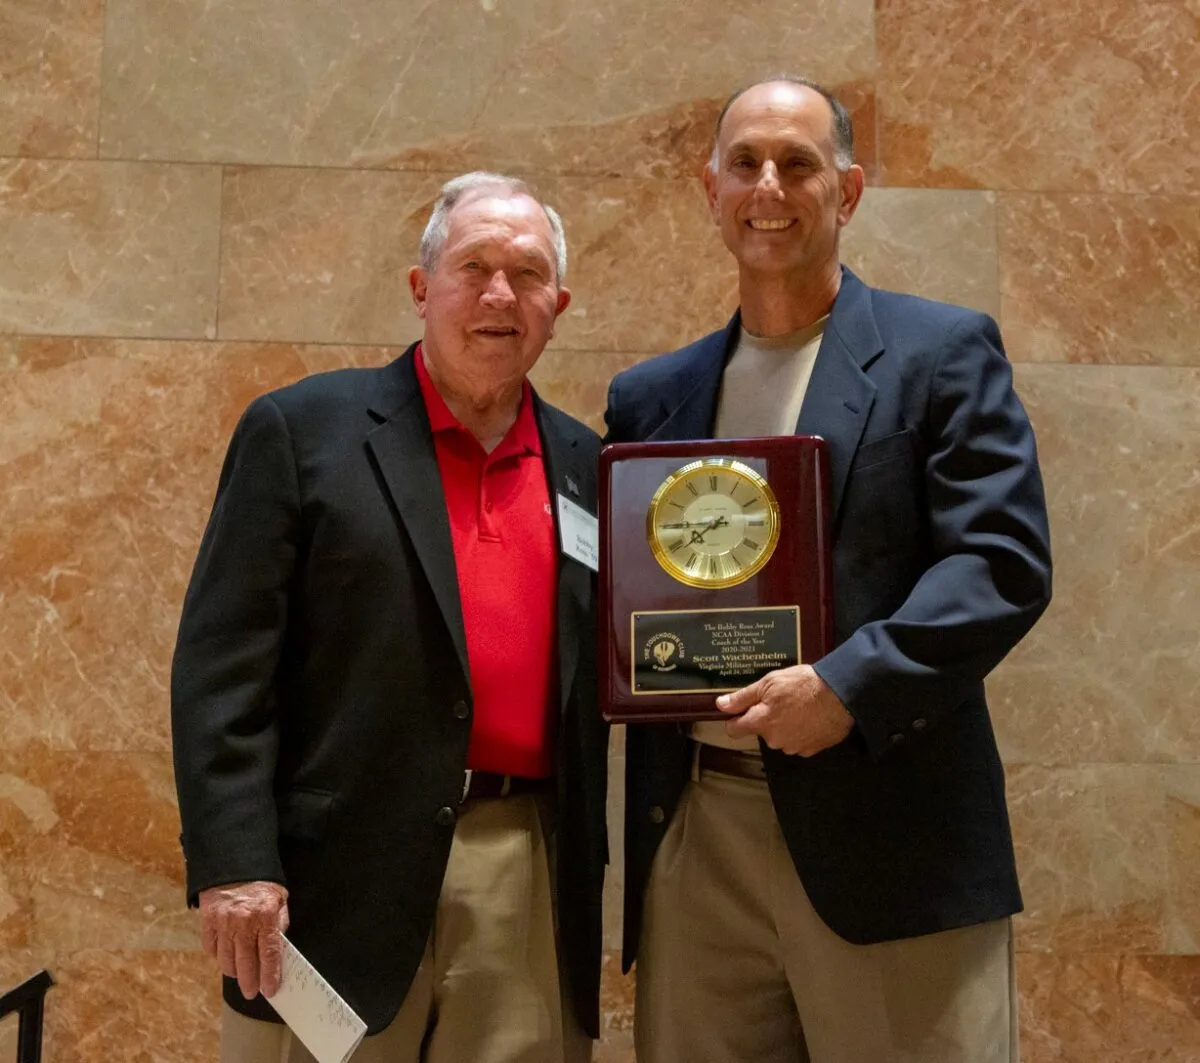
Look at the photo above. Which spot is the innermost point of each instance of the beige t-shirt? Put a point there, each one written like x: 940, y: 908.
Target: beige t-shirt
x: 761, y: 395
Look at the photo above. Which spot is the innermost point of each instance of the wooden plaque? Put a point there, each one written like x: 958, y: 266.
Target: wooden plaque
x: 714, y: 570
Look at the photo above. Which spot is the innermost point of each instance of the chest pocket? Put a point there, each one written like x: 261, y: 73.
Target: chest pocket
x: 882, y: 504
x: 880, y: 451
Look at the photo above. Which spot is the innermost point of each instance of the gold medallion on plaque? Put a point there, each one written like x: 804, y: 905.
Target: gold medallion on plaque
x: 713, y: 523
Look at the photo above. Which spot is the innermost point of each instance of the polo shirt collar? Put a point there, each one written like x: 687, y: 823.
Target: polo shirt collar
x: 522, y: 438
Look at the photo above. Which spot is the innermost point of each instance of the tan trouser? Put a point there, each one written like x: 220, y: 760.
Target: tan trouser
x: 488, y: 989
x: 735, y: 966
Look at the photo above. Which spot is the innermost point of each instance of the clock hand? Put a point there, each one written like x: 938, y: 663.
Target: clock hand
x: 709, y: 525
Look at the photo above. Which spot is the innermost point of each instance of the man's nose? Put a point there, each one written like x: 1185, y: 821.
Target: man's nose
x: 499, y: 292
x: 768, y: 179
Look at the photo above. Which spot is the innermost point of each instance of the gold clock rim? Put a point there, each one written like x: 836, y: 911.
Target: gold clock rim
x: 741, y: 469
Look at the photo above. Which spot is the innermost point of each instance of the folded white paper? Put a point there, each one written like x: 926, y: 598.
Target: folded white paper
x: 326, y: 1025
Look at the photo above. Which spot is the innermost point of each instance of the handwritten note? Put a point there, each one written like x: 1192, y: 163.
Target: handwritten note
x: 324, y: 1022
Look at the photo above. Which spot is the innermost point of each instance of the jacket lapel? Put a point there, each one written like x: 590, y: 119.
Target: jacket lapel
x: 402, y: 445
x: 566, y: 476
x: 840, y: 395
x: 699, y: 386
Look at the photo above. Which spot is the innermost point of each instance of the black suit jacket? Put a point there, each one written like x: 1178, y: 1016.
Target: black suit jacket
x: 320, y: 693
x: 941, y: 564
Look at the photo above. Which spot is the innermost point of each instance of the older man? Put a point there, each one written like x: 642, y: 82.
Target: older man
x: 829, y: 875
x: 383, y: 690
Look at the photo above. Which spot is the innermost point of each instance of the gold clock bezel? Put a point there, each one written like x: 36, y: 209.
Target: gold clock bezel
x: 701, y: 467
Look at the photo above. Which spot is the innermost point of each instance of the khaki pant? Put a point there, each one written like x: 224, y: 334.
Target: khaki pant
x: 735, y: 966
x: 488, y: 989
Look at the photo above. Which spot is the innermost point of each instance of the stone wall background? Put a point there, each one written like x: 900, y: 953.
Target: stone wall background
x: 204, y: 199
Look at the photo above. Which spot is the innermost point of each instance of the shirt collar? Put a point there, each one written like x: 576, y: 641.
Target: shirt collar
x: 522, y: 438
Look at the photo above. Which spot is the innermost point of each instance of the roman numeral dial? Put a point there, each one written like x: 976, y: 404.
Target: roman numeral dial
x: 713, y: 523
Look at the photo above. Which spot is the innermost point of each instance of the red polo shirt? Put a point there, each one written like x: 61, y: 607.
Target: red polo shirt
x: 504, y: 550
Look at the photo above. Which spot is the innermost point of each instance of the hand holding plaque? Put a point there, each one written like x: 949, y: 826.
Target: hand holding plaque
x: 714, y: 566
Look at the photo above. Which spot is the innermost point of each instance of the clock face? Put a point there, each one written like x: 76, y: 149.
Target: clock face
x: 713, y: 523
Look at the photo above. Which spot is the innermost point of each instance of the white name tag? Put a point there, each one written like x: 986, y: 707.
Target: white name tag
x: 580, y: 533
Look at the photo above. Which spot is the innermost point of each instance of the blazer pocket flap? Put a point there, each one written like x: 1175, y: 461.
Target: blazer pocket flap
x: 897, y: 445
x: 304, y: 814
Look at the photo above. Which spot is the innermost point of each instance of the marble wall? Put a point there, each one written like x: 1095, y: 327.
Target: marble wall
x: 204, y: 199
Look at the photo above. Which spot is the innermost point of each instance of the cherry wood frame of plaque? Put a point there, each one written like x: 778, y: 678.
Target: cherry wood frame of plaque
x: 799, y: 572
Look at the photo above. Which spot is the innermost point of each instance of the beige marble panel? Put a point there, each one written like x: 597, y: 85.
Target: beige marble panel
x: 1088, y: 278
x: 933, y: 243
x: 137, y: 1007
x: 649, y: 271
x: 1093, y: 855
x: 673, y: 140
x: 113, y: 249
x: 109, y: 454
x: 83, y: 899
x: 1109, y: 1008
x: 9, y: 1029
x: 17, y: 965
x: 1111, y: 671
x: 1183, y: 842
x: 616, y: 1011
x: 577, y: 381
x: 50, y: 70
x: 322, y: 256
x: 566, y: 87
x: 90, y: 852
x: 1088, y: 97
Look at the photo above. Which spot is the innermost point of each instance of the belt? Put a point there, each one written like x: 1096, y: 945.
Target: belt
x: 484, y: 784
x: 730, y: 762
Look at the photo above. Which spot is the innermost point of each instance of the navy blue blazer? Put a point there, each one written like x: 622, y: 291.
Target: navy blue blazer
x: 941, y: 560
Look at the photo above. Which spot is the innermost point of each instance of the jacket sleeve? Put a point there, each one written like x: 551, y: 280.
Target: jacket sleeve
x: 613, y: 430
x: 991, y: 572
x: 224, y: 711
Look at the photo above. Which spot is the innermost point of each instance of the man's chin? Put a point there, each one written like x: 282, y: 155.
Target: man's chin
x: 768, y: 262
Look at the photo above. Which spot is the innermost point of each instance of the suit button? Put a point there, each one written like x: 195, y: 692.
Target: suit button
x: 445, y: 816
x: 461, y: 712
x: 920, y: 723
x: 897, y: 739
x: 657, y: 815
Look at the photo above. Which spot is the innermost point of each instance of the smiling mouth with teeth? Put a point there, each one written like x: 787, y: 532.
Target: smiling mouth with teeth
x: 771, y: 224
x: 496, y: 330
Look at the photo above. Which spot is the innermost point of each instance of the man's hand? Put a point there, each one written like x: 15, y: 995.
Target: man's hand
x: 241, y: 926
x: 791, y: 710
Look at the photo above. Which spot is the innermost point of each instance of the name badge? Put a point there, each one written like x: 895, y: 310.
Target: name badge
x: 580, y: 533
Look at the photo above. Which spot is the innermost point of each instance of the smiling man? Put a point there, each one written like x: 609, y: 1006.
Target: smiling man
x: 828, y: 876
x: 383, y: 695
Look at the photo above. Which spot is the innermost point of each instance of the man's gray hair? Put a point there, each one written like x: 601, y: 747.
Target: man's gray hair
x: 453, y: 192
x: 843, y: 127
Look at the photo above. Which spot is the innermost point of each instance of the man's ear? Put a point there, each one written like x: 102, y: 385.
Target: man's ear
x: 561, y: 302
x: 852, y: 191
x: 418, y: 283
